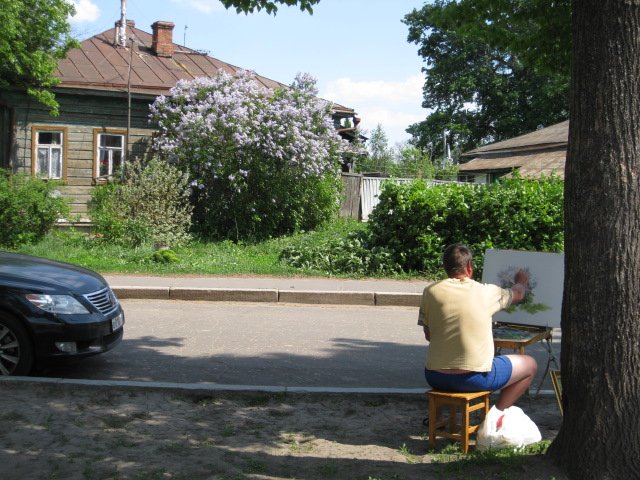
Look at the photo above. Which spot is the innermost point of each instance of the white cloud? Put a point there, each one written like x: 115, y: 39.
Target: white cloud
x: 204, y: 6
x: 394, y: 122
x: 393, y: 104
x: 86, y: 11
x: 404, y: 91
x: 392, y: 118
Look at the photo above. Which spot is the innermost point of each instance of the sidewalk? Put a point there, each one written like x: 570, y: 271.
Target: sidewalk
x: 405, y: 293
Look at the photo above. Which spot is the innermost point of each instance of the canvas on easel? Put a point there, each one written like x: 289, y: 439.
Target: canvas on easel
x: 543, y: 304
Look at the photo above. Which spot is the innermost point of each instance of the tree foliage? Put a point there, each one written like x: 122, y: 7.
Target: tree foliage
x: 494, y: 69
x: 261, y: 163
x: 270, y: 6
x: 416, y: 221
x: 35, y: 35
x: 379, y: 156
x: 150, y: 204
x: 29, y: 208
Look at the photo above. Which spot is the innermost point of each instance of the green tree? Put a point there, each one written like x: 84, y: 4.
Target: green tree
x: 380, y: 158
x: 412, y: 161
x: 261, y: 163
x: 494, y: 68
x: 35, y: 35
x: 599, y: 437
x: 271, y: 6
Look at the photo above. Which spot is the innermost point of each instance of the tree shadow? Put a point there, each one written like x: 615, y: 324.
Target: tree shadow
x: 92, y: 432
x: 348, y: 363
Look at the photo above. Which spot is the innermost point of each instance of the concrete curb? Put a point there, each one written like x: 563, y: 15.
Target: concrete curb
x: 217, y: 387
x: 384, y: 299
x: 331, y: 298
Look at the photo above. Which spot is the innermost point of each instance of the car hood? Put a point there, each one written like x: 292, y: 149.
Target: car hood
x: 40, y: 274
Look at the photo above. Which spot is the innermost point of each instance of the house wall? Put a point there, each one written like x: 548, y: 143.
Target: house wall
x: 81, y: 117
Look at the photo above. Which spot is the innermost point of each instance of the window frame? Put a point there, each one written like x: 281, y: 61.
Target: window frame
x: 97, y: 132
x: 35, y: 131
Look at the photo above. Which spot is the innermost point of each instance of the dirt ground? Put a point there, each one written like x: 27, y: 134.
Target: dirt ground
x: 87, y: 432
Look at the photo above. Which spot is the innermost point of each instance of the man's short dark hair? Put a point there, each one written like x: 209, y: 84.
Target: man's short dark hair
x: 455, y: 259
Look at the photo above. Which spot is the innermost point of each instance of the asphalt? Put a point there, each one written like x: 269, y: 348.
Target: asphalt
x: 305, y: 290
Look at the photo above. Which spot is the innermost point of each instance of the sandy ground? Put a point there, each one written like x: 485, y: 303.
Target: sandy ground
x: 70, y: 432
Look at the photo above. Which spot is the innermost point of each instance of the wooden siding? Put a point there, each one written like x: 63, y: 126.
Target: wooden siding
x: 80, y: 116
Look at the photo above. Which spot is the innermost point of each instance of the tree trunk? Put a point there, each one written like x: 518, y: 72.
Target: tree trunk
x: 600, y: 434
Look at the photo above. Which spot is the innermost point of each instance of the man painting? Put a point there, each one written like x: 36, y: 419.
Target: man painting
x: 456, y: 314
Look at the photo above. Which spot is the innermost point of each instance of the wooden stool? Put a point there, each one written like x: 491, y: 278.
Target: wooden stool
x: 468, y: 402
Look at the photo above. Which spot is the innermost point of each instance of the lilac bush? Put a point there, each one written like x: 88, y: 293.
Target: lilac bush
x: 261, y: 162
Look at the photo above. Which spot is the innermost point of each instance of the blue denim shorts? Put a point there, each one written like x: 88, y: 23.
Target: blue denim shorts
x: 474, y: 381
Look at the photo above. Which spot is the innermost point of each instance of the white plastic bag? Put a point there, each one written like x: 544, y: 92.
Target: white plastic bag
x: 517, y: 430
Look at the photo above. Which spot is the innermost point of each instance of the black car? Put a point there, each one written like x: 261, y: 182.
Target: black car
x: 50, y: 310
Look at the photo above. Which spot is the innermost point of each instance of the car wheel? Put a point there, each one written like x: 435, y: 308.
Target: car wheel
x: 16, y: 352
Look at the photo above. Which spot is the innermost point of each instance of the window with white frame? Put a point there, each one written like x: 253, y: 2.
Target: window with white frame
x: 110, y: 153
x: 49, y: 153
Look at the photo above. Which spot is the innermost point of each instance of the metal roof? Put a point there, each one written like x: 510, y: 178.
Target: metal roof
x: 535, y: 154
x: 529, y: 165
x: 101, y: 65
x: 552, y: 136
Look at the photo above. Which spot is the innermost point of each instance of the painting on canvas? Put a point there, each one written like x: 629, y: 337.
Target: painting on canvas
x: 543, y: 303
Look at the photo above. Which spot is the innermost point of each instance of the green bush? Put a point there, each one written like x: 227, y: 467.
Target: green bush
x: 416, y: 222
x: 350, y: 255
x: 262, y: 163
x: 164, y: 256
x: 29, y: 208
x: 149, y: 206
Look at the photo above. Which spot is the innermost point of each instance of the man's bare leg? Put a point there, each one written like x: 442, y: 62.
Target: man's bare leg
x: 524, y: 368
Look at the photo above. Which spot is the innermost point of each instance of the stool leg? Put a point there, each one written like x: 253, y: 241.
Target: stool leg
x: 453, y: 414
x: 433, y: 422
x: 465, y: 428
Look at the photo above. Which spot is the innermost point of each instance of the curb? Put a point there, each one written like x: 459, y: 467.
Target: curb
x: 216, y: 387
x: 383, y: 299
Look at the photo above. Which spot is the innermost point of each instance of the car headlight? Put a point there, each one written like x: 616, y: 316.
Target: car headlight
x: 61, y: 304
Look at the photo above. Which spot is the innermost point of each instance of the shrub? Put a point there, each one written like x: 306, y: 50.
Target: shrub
x: 164, y: 256
x: 261, y: 163
x: 416, y: 222
x: 150, y: 205
x: 350, y: 255
x: 29, y: 208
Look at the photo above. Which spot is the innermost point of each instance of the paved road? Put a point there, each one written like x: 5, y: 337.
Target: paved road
x: 264, y: 344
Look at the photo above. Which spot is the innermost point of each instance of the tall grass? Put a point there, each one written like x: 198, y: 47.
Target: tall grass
x: 198, y: 258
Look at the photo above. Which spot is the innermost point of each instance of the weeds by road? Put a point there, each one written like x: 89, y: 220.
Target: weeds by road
x: 200, y: 258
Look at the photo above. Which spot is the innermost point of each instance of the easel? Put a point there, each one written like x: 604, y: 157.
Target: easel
x: 517, y: 337
x: 522, y: 327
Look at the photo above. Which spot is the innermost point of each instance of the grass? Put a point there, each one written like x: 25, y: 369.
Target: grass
x: 504, y: 464
x: 199, y: 257
x: 411, y: 458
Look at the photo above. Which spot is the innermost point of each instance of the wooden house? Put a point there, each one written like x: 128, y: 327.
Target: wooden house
x: 535, y: 154
x: 106, y: 87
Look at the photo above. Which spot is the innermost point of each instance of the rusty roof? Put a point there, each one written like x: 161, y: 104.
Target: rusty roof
x: 535, y: 154
x: 529, y: 164
x: 101, y: 65
x: 553, y: 136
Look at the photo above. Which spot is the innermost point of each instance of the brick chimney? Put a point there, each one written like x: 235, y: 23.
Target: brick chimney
x: 162, y: 40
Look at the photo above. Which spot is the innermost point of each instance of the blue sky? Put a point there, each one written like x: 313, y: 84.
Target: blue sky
x: 356, y: 49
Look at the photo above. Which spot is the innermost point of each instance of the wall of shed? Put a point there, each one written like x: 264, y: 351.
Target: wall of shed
x: 80, y: 114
